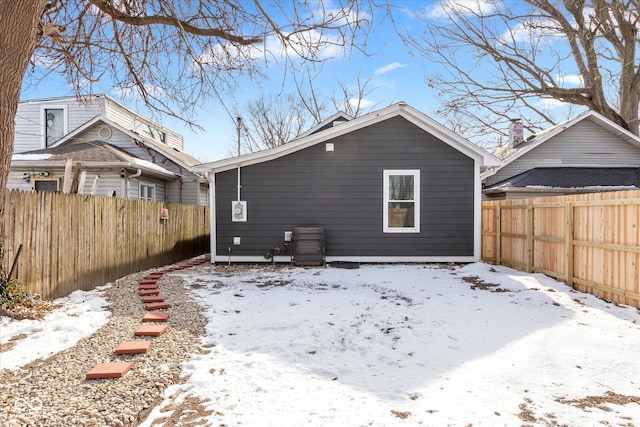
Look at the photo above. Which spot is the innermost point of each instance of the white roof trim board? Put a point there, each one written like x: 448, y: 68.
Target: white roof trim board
x: 400, y: 109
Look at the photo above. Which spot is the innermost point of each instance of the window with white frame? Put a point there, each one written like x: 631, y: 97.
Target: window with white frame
x: 147, y: 191
x: 401, y: 210
x: 54, y: 125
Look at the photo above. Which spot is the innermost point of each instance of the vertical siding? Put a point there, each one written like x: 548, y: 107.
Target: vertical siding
x: 342, y: 191
x: 584, y: 144
x: 203, y: 195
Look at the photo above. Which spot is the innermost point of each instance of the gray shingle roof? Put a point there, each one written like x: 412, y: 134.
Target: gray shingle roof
x: 95, y: 151
x: 573, y: 178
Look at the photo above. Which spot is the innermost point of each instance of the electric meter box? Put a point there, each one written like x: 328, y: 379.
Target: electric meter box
x: 238, y: 211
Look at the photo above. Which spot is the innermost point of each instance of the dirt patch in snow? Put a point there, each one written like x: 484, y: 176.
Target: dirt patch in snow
x: 477, y: 283
x: 601, y: 402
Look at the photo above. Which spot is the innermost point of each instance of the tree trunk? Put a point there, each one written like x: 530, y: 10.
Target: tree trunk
x: 19, y: 35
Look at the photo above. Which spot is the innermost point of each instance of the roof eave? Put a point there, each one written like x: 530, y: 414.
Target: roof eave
x: 45, y: 164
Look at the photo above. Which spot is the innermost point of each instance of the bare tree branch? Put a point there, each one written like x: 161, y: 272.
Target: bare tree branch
x: 503, y: 60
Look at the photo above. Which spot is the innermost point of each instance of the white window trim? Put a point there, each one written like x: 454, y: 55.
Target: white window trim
x: 416, y: 201
x: 43, y: 122
x: 153, y: 189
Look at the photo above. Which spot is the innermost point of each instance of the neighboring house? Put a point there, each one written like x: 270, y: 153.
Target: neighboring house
x: 588, y: 153
x: 95, y: 145
x: 390, y: 186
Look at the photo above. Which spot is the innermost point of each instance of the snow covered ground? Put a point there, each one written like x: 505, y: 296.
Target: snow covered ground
x: 410, y: 345
x: 387, y: 345
x: 75, y: 317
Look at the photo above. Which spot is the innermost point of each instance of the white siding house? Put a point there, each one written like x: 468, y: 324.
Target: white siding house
x: 116, y: 151
x: 586, y: 154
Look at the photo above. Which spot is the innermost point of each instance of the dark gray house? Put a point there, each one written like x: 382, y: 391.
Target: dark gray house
x: 390, y: 186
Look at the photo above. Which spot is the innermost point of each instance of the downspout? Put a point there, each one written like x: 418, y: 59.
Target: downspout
x: 135, y: 175
x: 212, y: 215
x: 239, y: 119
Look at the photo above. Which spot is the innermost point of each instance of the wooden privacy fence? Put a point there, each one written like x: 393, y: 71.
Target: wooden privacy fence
x: 589, y: 241
x: 58, y: 243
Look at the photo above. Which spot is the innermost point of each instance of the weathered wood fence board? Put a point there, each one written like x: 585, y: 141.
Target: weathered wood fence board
x: 590, y: 241
x: 69, y: 242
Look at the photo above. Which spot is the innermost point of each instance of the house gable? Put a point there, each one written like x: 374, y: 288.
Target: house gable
x: 342, y: 191
x: 188, y: 189
x: 591, y: 141
x: 401, y: 109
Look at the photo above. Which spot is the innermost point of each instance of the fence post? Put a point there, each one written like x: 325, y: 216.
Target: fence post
x: 569, y: 243
x: 529, y: 237
x: 498, y: 226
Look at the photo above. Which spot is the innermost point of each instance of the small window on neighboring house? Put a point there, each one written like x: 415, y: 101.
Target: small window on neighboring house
x: 54, y: 128
x: 401, y: 208
x: 50, y: 184
x: 147, y: 191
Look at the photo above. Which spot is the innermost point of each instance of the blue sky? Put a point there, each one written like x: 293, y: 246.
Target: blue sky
x: 396, y: 74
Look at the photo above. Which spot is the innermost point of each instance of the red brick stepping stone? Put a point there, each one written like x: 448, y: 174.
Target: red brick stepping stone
x: 109, y: 370
x: 151, y: 330
x: 157, y: 305
x: 154, y: 286
x: 133, y: 347
x: 152, y: 276
x: 153, y: 316
x: 150, y: 298
x: 148, y: 281
x: 145, y: 292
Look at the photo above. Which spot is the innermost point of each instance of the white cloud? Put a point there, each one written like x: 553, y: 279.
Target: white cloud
x: 306, y: 44
x: 363, y: 103
x: 302, y: 45
x: 388, y: 68
x: 570, y: 80
x: 551, y: 104
x: 445, y: 8
x: 530, y: 31
x: 229, y: 56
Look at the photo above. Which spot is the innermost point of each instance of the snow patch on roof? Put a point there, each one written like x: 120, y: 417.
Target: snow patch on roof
x: 149, y: 165
x: 31, y: 156
x: 588, y: 187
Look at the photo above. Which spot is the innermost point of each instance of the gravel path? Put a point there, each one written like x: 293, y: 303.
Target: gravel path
x: 54, y: 391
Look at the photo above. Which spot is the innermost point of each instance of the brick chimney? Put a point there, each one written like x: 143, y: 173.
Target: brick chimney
x: 515, y: 132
